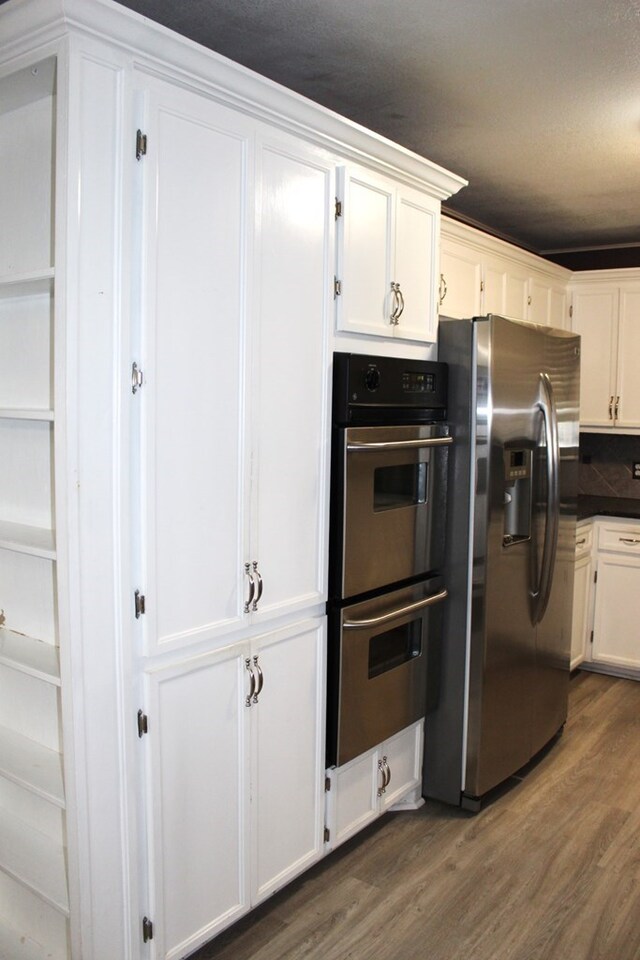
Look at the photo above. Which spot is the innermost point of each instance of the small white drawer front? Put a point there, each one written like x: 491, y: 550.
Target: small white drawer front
x: 584, y: 538
x: 621, y: 537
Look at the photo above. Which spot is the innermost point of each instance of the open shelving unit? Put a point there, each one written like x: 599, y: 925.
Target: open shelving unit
x: 34, y: 899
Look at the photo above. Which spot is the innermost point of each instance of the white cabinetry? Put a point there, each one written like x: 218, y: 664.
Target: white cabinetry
x: 481, y: 274
x: 366, y: 787
x: 606, y: 314
x: 583, y: 578
x: 387, y: 257
x: 34, y: 896
x: 616, y: 637
x: 234, y: 394
x: 236, y: 742
x: 167, y: 258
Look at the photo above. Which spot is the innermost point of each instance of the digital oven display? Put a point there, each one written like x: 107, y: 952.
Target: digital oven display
x: 418, y: 382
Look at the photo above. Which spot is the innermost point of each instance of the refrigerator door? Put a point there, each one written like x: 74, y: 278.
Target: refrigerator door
x: 562, y: 366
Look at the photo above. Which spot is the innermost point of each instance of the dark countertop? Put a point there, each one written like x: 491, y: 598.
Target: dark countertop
x: 589, y: 506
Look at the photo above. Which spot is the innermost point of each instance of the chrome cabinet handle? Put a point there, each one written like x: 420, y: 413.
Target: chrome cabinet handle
x: 251, y: 696
x: 581, y: 541
x: 395, y: 614
x: 615, y: 409
x: 611, y: 407
x: 260, y: 585
x: 401, y: 299
x: 442, y: 290
x: 629, y: 539
x: 388, y: 769
x: 260, y: 679
x: 381, y: 788
x: 359, y: 447
x: 395, y: 313
x: 252, y: 588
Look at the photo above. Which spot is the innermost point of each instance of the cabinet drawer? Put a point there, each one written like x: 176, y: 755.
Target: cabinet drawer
x: 620, y: 537
x: 584, y: 539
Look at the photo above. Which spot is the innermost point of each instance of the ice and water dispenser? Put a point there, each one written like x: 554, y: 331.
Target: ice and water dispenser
x: 517, y: 495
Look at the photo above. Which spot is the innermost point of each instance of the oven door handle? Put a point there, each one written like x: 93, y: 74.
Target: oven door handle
x: 395, y: 614
x: 358, y: 447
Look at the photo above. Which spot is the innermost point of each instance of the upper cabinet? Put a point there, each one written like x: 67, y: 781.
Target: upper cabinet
x: 605, y: 307
x: 480, y: 274
x: 387, y: 260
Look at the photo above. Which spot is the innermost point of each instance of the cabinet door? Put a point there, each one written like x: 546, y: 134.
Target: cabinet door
x: 517, y: 292
x: 628, y: 389
x: 292, y: 307
x: 616, y: 639
x: 365, y: 251
x: 494, y: 298
x: 539, y: 302
x: 353, y: 799
x: 198, y: 790
x: 403, y: 757
x: 581, y: 596
x: 461, y: 278
x: 595, y: 311
x: 416, y: 263
x: 558, y: 307
x: 193, y: 494
x: 288, y: 749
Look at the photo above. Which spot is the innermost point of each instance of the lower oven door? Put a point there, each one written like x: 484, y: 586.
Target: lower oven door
x: 386, y: 653
x: 394, y: 501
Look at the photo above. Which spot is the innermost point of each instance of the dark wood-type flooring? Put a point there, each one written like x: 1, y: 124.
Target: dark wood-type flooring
x: 550, y: 870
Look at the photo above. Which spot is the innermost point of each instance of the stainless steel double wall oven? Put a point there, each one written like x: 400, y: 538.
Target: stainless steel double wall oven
x: 388, y: 503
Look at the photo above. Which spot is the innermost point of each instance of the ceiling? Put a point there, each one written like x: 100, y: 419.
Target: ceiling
x: 535, y: 102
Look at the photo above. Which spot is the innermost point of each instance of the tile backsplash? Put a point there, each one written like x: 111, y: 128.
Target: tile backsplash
x: 605, y: 465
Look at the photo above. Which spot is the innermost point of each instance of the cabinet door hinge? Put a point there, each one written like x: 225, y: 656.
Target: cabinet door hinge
x: 337, y: 287
x: 137, y: 377
x: 143, y: 723
x: 327, y: 784
x: 141, y: 144
x: 140, y: 604
x: 595, y: 577
x: 591, y: 638
x: 338, y: 209
x: 147, y: 929
x: 327, y: 834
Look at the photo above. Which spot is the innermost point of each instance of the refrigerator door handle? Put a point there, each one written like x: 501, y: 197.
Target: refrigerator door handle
x: 547, y: 407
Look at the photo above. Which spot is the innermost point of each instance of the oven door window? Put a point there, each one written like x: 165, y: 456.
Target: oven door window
x: 403, y: 485
x: 394, y: 647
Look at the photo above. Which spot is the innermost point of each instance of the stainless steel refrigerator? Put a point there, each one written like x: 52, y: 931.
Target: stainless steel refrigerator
x: 513, y: 410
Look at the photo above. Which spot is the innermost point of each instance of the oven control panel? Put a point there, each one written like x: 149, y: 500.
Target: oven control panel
x: 383, y: 390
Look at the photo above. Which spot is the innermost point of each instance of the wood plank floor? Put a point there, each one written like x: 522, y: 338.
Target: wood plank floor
x: 550, y: 870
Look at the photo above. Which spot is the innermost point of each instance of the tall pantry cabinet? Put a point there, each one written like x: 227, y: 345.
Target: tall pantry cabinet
x: 167, y: 265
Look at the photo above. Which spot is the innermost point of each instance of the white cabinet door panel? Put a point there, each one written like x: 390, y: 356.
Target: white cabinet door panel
x: 540, y: 302
x: 581, y: 594
x: 629, y: 359
x: 366, y: 252
x: 616, y: 637
x: 290, y: 377
x: 461, y: 273
x: 595, y: 318
x: 193, y: 434
x: 416, y: 263
x: 288, y: 782
x: 198, y: 781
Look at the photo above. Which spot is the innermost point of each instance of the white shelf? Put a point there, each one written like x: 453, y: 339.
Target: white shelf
x: 25, y: 284
x: 16, y: 413
x: 33, y: 657
x: 33, y: 860
x: 15, y: 946
x: 32, y: 766
x: 35, y: 541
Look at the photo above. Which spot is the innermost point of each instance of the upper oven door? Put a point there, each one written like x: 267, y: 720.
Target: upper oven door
x: 394, y: 502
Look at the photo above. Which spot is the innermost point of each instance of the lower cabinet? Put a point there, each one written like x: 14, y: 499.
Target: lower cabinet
x: 364, y: 788
x: 235, y: 780
x: 583, y: 578
x: 616, y: 637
